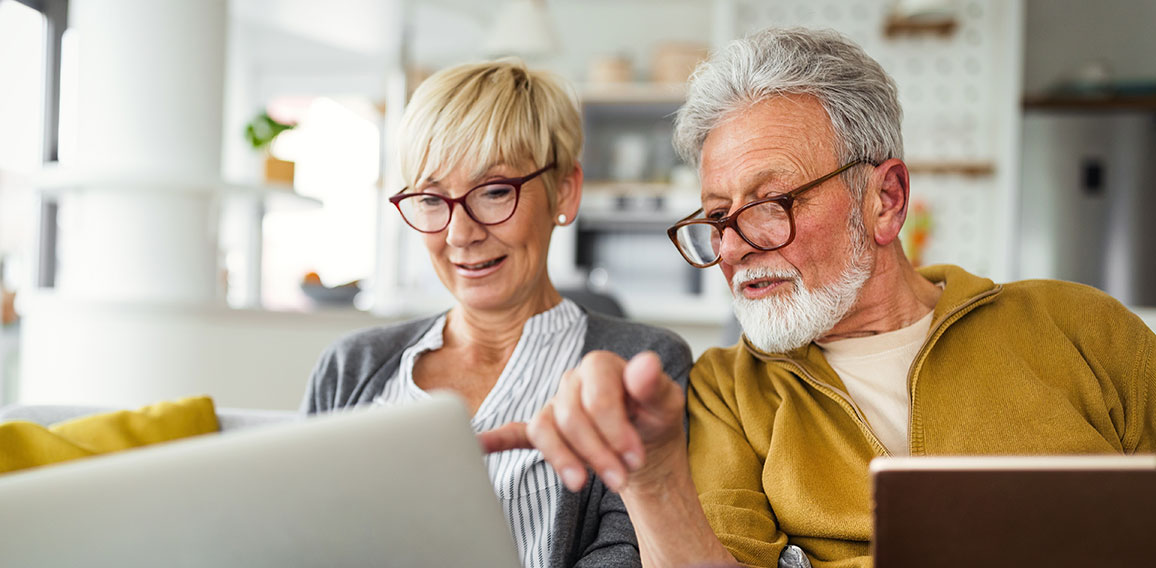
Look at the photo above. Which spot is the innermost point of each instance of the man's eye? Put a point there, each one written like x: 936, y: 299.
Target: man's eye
x: 716, y: 215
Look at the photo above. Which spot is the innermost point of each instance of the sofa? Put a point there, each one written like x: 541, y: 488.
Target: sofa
x: 229, y: 418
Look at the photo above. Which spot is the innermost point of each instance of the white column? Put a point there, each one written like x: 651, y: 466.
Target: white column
x: 143, y: 224
x: 138, y: 312
x: 386, y: 281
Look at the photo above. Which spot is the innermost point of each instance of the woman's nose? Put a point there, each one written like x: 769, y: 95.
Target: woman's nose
x: 462, y: 229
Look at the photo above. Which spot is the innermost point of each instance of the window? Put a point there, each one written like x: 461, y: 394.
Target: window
x: 23, y: 34
x: 336, y: 151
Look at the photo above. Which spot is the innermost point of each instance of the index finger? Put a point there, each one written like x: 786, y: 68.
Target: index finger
x: 604, y: 397
x: 511, y: 436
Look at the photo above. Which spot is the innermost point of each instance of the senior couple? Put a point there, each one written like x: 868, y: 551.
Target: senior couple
x: 848, y: 352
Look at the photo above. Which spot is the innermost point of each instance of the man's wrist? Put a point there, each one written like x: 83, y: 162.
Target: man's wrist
x: 664, y: 465
x: 662, y: 489
x: 668, y: 517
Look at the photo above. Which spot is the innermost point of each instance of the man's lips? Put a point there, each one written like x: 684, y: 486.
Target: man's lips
x: 761, y: 287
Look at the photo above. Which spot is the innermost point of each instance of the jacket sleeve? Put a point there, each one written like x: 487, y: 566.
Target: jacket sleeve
x: 355, y: 368
x: 728, y: 475
x: 1140, y: 400
x: 322, y: 384
x: 615, y: 544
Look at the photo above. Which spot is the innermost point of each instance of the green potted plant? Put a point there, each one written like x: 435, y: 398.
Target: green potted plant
x: 260, y: 133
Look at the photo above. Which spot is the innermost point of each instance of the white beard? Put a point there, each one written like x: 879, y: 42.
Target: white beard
x: 796, y: 317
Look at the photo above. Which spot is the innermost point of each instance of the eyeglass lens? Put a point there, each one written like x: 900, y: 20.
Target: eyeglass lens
x: 488, y: 204
x: 765, y: 225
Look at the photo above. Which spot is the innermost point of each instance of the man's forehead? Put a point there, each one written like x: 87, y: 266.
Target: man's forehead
x: 781, y: 138
x: 746, y: 184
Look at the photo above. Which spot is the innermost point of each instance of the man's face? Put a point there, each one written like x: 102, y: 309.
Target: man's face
x: 790, y: 296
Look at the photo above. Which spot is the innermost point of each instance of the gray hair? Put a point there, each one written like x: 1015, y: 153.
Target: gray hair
x: 858, y: 95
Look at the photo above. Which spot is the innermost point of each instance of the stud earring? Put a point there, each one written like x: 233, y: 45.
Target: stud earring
x: 562, y: 219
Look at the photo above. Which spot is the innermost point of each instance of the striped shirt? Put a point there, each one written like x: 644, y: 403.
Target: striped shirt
x: 527, y: 487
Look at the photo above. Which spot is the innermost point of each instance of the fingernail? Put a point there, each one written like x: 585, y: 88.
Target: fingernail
x: 613, y: 479
x: 574, y: 478
x: 633, y: 460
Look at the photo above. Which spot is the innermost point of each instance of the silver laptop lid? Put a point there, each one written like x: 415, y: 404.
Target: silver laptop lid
x: 399, y: 486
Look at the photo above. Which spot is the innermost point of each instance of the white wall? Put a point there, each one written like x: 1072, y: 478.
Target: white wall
x: 1064, y: 35
x: 1103, y: 239
x: 132, y: 354
x: 448, y: 32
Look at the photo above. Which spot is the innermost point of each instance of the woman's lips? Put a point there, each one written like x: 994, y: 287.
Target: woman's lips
x: 480, y: 269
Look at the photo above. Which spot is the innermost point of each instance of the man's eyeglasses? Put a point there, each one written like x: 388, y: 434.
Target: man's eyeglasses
x: 765, y: 224
x: 490, y: 203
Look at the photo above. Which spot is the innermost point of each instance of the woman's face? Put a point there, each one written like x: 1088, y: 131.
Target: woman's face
x: 503, y: 266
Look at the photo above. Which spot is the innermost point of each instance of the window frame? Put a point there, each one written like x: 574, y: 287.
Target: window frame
x: 56, y: 22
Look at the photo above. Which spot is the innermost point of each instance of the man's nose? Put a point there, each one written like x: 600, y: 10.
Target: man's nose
x: 732, y: 248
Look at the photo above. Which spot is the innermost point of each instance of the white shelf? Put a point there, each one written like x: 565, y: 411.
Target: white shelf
x: 627, y: 187
x: 614, y: 93
x: 10, y: 178
x: 618, y: 203
x: 39, y: 301
x: 62, y: 181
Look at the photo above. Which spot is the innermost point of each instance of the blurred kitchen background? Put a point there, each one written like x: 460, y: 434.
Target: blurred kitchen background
x: 192, y: 191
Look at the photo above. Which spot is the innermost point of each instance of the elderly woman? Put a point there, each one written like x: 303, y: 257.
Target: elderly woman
x: 490, y: 153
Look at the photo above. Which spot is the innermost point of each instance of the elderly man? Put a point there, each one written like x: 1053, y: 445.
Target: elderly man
x: 848, y: 351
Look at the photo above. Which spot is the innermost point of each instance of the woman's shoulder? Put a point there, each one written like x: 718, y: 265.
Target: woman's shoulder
x: 623, y: 330
x: 354, y: 368
x: 628, y: 338
x: 380, y: 340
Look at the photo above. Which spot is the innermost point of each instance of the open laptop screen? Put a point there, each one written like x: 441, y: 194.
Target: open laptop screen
x: 401, y: 486
x: 1054, y: 511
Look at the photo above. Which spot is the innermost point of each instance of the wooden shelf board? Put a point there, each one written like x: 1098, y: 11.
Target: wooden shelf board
x: 615, y: 93
x: 1105, y: 102
x: 974, y: 169
x: 899, y: 26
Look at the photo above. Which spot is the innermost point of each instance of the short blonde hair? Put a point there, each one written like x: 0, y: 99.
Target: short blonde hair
x: 481, y: 114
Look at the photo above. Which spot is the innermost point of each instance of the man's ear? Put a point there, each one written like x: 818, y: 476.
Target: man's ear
x: 888, y: 192
x: 569, y: 195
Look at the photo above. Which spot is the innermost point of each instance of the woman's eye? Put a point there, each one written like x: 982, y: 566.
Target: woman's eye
x: 428, y: 201
x: 496, y: 192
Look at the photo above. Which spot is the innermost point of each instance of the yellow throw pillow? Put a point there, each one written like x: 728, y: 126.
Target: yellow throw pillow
x: 25, y: 444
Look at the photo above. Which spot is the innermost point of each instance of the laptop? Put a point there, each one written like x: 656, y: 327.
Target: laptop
x: 1054, y: 511
x: 398, y: 486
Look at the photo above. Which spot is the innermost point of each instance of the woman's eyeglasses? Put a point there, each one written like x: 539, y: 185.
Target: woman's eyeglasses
x: 490, y: 203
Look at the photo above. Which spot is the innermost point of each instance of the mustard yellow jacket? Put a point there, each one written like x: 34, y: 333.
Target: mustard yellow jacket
x: 779, y: 451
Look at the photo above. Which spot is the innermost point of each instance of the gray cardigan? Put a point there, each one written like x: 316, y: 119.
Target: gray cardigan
x: 591, y: 528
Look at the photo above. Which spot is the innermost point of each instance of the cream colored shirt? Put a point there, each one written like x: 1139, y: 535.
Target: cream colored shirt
x: 874, y: 370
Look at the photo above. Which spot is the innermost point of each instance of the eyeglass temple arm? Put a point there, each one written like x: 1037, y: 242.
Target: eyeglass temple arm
x: 797, y: 191
x: 691, y: 216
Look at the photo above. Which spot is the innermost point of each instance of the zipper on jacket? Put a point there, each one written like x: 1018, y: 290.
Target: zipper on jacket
x: 841, y: 398
x: 844, y: 400
x: 921, y: 355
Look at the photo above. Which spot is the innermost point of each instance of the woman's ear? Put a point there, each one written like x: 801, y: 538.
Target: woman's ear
x: 569, y: 196
x: 888, y: 192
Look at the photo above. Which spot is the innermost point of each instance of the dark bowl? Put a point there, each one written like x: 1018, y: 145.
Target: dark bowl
x: 336, y: 295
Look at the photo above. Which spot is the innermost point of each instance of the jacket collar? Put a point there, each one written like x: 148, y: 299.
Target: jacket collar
x: 960, y: 288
